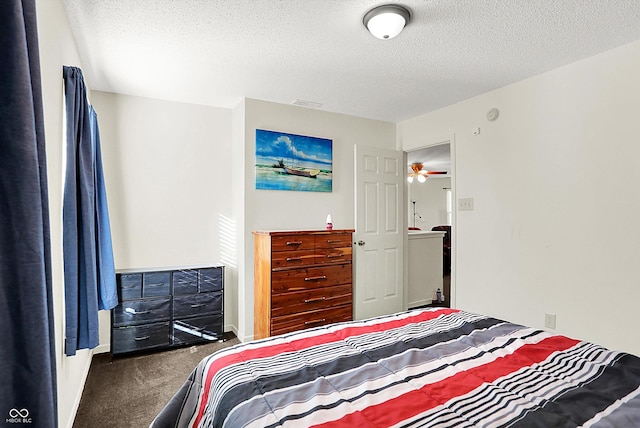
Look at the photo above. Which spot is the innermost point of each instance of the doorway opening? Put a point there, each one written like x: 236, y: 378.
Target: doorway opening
x: 430, y: 209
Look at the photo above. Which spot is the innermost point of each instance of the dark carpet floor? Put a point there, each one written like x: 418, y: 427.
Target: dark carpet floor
x: 129, y: 391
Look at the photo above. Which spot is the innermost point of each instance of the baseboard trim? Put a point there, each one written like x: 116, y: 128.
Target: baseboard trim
x: 78, y: 398
x: 232, y: 328
x: 102, y: 349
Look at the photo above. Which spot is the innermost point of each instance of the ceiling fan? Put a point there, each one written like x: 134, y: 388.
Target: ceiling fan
x: 421, y: 174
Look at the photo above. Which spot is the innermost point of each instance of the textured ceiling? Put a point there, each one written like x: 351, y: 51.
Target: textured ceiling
x: 433, y: 158
x: 215, y: 52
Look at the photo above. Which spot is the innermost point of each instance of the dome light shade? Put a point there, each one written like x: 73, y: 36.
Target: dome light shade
x: 386, y: 22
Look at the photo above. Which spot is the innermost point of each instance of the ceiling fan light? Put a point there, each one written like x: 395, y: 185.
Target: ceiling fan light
x: 410, y: 179
x: 422, y: 178
x: 387, y: 21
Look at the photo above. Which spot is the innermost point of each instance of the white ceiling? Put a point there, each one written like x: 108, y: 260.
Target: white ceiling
x: 433, y: 158
x: 215, y: 52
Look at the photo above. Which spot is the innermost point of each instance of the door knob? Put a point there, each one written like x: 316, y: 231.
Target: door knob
x: 361, y: 243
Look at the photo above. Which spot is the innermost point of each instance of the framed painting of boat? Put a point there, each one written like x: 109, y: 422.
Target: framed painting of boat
x: 293, y: 162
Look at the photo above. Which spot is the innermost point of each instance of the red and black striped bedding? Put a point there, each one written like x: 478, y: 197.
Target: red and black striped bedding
x: 421, y: 368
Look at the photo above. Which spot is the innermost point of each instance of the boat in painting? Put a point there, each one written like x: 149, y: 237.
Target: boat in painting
x: 293, y: 170
x: 313, y: 173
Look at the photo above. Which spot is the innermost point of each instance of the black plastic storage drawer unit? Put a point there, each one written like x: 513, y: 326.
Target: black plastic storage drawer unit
x: 161, y: 309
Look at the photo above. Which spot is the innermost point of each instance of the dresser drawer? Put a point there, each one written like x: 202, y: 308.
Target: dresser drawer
x: 300, y: 321
x: 211, y: 279
x: 185, y: 282
x: 334, y: 240
x: 292, y: 242
x: 142, y: 311
x: 203, y: 303
x: 130, y: 285
x: 334, y: 255
x: 138, y: 338
x: 317, y: 298
x: 288, y: 259
x: 192, y: 330
x: 156, y: 284
x: 308, y: 278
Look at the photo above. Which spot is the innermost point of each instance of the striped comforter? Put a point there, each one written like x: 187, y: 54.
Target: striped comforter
x: 421, y: 368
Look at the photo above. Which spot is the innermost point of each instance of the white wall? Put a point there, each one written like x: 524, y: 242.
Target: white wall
x: 238, y: 299
x: 290, y: 210
x: 431, y: 202
x: 555, y: 187
x: 57, y: 48
x: 181, y: 185
x: 168, y: 175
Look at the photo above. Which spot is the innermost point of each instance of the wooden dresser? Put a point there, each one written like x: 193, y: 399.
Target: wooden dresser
x: 302, y: 279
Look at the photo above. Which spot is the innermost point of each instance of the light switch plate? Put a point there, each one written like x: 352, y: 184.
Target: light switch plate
x: 550, y: 321
x: 465, y: 204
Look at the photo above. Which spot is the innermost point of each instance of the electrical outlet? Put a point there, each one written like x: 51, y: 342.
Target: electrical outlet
x: 465, y: 204
x: 550, y: 321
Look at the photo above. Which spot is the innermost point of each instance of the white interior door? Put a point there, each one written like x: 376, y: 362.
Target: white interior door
x: 379, y: 266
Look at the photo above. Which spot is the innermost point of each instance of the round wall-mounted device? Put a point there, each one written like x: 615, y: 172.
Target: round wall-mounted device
x: 493, y: 114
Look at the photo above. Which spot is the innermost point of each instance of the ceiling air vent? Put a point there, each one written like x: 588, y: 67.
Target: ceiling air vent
x: 303, y: 103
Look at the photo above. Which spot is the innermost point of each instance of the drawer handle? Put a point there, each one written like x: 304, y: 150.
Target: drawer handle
x: 197, y: 305
x: 317, y: 299
x: 294, y: 259
x: 294, y: 242
x: 316, y: 278
x: 134, y: 312
x: 138, y: 339
x: 158, y: 284
x: 333, y: 241
x: 332, y: 256
x: 314, y: 321
x: 209, y: 280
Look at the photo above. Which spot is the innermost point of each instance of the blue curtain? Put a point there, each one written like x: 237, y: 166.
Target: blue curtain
x: 107, y: 292
x: 28, y: 392
x: 89, y: 274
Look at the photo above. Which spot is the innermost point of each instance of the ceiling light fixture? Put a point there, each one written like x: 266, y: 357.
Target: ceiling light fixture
x: 387, y: 21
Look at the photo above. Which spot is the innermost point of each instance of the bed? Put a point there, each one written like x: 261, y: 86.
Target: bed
x: 434, y: 367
